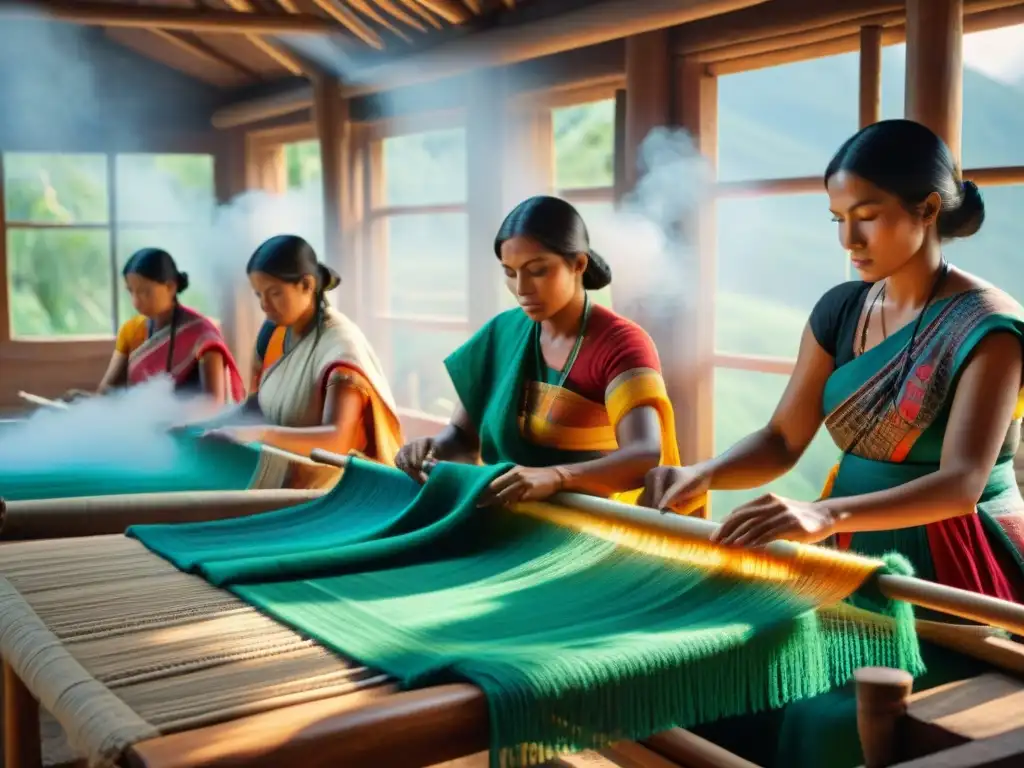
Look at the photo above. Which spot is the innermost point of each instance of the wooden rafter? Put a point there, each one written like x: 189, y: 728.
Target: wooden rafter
x: 450, y: 10
x: 353, y: 23
x: 200, y: 50
x: 396, y: 11
x: 162, y: 17
x: 422, y: 12
x: 474, y: 6
x: 368, y: 10
x: 275, y: 51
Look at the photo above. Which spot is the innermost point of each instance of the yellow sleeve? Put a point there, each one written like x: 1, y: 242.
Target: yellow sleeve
x: 130, y: 335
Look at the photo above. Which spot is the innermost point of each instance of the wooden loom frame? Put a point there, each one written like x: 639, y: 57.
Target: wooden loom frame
x: 433, y: 725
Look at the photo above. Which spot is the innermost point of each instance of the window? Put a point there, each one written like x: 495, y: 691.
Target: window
x: 59, y: 272
x: 302, y: 210
x: 744, y: 401
x: 73, y: 220
x: 993, y: 110
x: 419, y: 233
x: 786, y: 121
x: 778, y: 250
x: 584, y: 154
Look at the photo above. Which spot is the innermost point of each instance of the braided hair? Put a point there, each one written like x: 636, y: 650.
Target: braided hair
x: 157, y: 265
x: 290, y: 259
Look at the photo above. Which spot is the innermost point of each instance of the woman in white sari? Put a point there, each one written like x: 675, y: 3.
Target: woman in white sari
x: 316, y: 381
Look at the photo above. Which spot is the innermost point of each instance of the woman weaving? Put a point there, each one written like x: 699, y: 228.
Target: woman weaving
x: 166, y: 338
x: 316, y: 381
x: 916, y: 372
x: 566, y: 390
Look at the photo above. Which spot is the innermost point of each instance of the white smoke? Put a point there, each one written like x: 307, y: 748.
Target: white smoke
x: 125, y: 428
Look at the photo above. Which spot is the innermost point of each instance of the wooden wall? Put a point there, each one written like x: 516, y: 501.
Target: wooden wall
x: 69, y: 89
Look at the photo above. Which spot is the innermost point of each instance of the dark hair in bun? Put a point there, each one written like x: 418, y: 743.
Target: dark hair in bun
x: 908, y: 160
x: 156, y: 265
x: 290, y: 258
x: 558, y: 226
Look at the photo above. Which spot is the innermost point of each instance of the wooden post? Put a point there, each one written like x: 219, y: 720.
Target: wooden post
x: 648, y: 94
x: 22, y: 741
x: 333, y: 129
x: 485, y: 146
x: 619, y: 182
x: 5, y: 287
x: 870, y: 75
x: 882, y: 696
x: 696, y: 110
x: 239, y: 314
x: 934, y: 94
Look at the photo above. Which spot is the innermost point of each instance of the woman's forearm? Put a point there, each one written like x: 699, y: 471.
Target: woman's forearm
x: 232, y: 416
x: 754, y: 461
x: 938, y: 496
x: 621, y: 470
x: 453, y: 444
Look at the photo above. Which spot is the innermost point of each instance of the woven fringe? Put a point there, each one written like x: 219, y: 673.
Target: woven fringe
x: 102, y: 726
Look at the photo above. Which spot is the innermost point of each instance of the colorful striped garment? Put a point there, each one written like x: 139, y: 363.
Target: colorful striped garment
x: 524, y: 416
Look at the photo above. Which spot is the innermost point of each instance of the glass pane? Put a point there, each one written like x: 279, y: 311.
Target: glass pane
x: 427, y: 267
x: 302, y: 160
x: 164, y: 189
x: 994, y: 253
x: 993, y: 108
x: 584, y: 145
x: 186, y: 245
x: 744, y: 402
x: 59, y: 282
x: 56, y: 189
x: 787, y: 120
x: 894, y: 81
x: 418, y: 377
x: 776, y: 257
x: 425, y: 168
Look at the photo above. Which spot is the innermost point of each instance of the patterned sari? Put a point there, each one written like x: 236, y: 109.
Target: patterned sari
x: 889, y: 441
x: 194, y: 336
x: 540, y: 418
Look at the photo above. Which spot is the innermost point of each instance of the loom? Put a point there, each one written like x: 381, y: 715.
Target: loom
x: 348, y: 715
x: 203, y: 467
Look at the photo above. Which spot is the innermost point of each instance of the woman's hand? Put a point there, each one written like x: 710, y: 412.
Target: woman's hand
x: 674, y: 488
x: 523, y: 484
x: 416, y: 458
x: 772, y: 517
x: 76, y: 394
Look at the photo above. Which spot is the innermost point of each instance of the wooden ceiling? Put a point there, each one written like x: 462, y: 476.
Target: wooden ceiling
x: 236, y: 43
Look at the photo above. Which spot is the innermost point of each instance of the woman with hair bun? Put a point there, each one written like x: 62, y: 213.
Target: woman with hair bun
x: 569, y: 392
x: 166, y: 338
x: 316, y: 380
x: 916, y: 372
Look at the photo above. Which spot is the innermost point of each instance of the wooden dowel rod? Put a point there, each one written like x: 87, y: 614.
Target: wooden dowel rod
x: 43, y: 401
x: 937, y: 597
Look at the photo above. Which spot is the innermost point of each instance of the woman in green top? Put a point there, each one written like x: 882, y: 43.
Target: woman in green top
x: 566, y: 390
x: 916, y: 372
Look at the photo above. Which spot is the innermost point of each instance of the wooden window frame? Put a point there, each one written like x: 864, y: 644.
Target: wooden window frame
x: 758, y: 188
x: 113, y: 226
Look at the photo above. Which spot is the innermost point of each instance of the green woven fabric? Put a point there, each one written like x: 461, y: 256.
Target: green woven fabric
x: 175, y: 462
x: 574, y: 641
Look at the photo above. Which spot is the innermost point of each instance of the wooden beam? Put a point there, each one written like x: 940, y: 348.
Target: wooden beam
x: 273, y: 50
x: 368, y: 9
x: 334, y: 133
x: 451, y: 11
x: 648, y: 94
x: 421, y: 10
x: 350, y: 21
x: 201, y: 51
x: 934, y: 84
x: 870, y: 85
x: 163, y: 17
x: 486, y: 138
x: 5, y: 282
x: 696, y: 110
